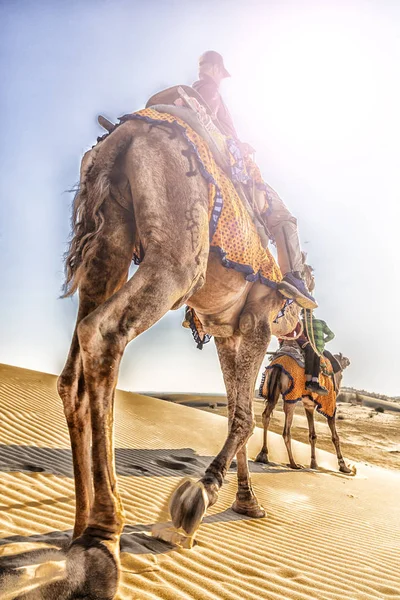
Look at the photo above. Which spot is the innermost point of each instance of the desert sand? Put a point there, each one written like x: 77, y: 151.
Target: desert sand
x: 366, y: 435
x: 326, y: 535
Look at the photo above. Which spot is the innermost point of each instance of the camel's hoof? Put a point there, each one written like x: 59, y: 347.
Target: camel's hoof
x: 295, y: 466
x: 188, y: 505
x: 250, y: 509
x: 348, y: 470
x: 93, y: 567
x: 262, y: 457
x: 314, y: 464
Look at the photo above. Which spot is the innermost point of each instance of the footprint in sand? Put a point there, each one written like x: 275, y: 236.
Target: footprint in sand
x: 288, y: 573
x: 32, y: 468
x: 189, y: 459
x: 174, y: 465
x: 138, y: 468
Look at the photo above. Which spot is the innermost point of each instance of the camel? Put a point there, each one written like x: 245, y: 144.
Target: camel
x: 278, y: 383
x: 137, y: 182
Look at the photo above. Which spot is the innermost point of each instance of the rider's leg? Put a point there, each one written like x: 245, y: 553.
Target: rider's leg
x: 314, y: 385
x: 308, y: 361
x: 283, y: 227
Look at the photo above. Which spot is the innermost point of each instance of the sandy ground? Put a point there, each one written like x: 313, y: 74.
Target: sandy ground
x: 326, y: 536
x: 366, y: 435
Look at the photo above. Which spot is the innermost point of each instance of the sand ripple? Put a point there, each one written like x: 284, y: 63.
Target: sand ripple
x: 325, y: 536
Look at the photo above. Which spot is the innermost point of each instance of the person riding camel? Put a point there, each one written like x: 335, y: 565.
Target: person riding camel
x: 279, y: 221
x: 312, y: 342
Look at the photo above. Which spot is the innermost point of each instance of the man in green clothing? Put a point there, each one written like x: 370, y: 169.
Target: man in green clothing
x: 318, y: 333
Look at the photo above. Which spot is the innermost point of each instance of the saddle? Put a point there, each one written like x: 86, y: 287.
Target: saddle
x: 171, y: 95
x: 164, y: 101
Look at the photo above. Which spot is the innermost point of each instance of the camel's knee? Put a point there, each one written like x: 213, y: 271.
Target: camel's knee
x: 312, y: 438
x: 250, y: 424
x: 99, y: 344
x: 64, y: 387
x: 67, y: 382
x: 269, y: 408
x: 266, y: 419
x: 66, y: 393
x: 286, y: 436
x: 243, y: 427
x: 71, y: 391
x: 88, y: 335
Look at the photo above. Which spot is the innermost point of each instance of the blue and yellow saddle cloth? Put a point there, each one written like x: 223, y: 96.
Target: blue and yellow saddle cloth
x: 232, y: 232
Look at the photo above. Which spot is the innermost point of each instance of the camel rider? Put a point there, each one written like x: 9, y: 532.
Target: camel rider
x: 317, y: 332
x: 321, y: 335
x: 280, y: 222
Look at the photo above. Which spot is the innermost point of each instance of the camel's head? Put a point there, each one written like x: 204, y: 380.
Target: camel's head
x: 343, y: 361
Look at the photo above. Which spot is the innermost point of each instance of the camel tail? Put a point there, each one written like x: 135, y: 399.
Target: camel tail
x: 274, y: 386
x: 87, y: 218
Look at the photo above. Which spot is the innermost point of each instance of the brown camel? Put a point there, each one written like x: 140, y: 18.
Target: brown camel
x: 136, y: 183
x: 278, y: 383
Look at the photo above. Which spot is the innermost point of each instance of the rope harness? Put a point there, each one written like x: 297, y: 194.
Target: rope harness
x: 308, y: 313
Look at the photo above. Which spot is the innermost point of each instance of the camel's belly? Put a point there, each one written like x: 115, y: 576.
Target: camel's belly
x: 220, y: 301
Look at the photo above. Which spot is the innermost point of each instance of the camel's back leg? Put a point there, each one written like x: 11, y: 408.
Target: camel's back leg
x: 289, y: 408
x: 274, y: 386
x: 171, y: 213
x: 99, y: 279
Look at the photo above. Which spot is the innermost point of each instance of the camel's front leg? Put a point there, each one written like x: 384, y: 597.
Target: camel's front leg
x: 274, y: 389
x: 312, y: 436
x: 190, y: 501
x: 262, y: 456
x: 246, y: 502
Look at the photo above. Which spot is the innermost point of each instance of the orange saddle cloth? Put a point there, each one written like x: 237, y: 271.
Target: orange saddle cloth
x: 326, y: 405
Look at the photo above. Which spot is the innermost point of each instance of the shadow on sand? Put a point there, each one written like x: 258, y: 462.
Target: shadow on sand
x: 130, y: 462
x: 51, y: 570
x: 69, y: 572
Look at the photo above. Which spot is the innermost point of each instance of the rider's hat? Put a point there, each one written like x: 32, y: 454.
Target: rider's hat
x: 214, y: 58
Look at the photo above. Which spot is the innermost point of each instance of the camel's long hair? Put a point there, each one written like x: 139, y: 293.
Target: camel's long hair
x: 274, y: 386
x: 87, y: 219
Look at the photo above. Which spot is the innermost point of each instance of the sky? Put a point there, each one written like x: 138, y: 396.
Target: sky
x: 314, y: 88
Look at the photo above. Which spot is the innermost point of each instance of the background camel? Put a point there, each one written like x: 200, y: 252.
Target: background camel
x: 136, y: 183
x: 279, y: 383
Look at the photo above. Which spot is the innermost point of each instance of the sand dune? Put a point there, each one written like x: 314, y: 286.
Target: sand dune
x: 365, y: 434
x: 326, y: 536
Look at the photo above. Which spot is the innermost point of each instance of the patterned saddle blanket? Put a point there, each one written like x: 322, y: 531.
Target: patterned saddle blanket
x: 326, y: 405
x: 232, y: 232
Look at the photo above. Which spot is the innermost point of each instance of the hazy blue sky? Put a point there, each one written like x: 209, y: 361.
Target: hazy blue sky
x: 315, y: 88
